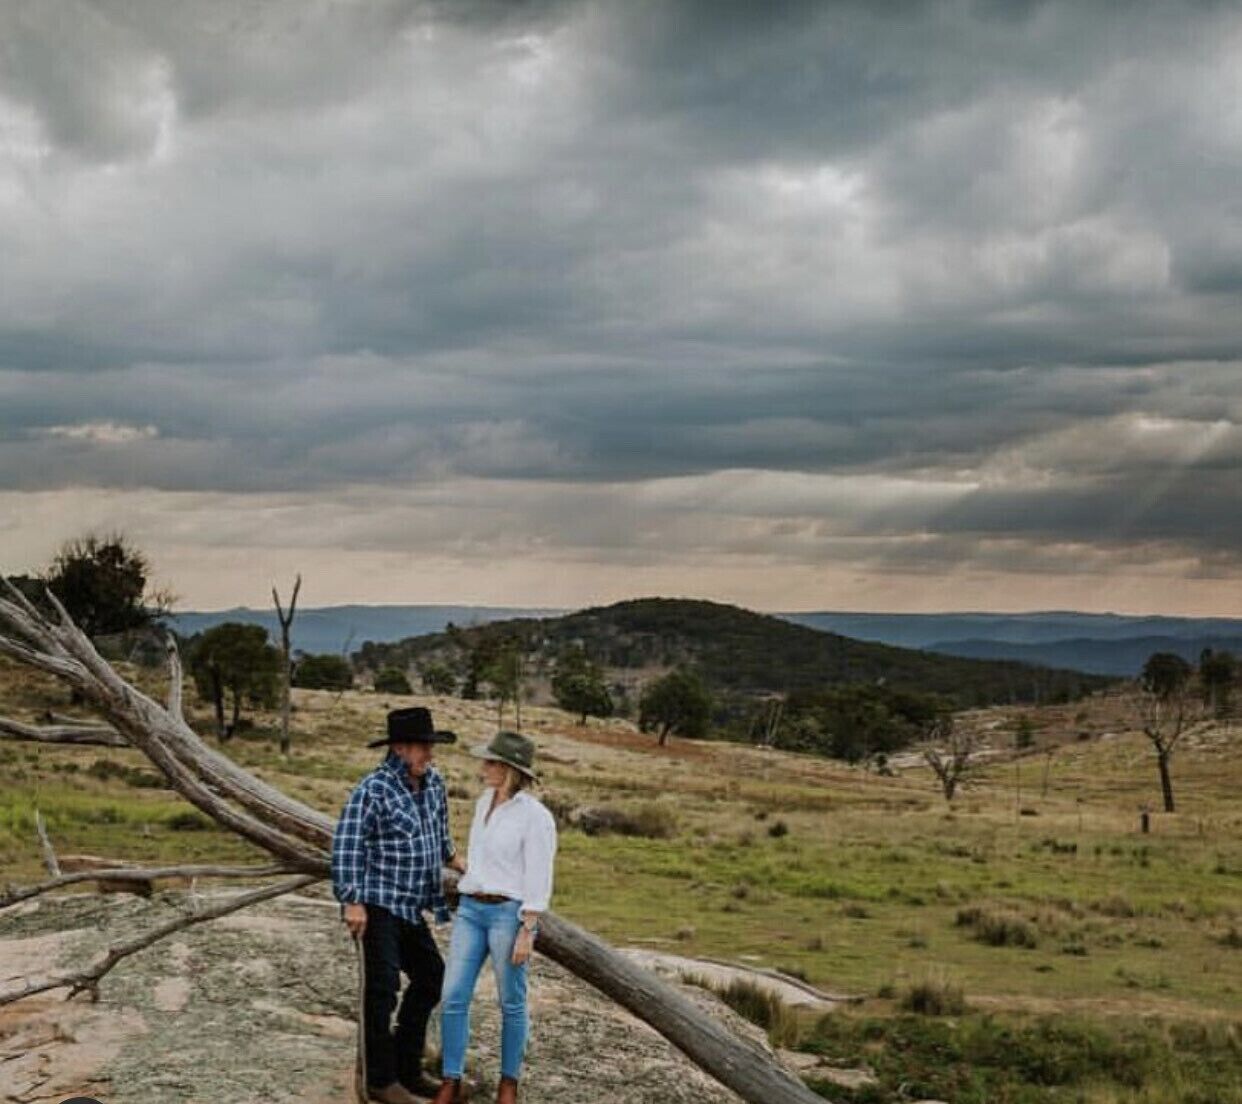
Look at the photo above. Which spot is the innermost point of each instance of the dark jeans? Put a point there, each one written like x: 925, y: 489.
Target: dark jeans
x: 393, y: 947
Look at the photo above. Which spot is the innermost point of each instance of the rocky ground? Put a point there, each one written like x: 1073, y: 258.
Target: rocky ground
x: 260, y: 1006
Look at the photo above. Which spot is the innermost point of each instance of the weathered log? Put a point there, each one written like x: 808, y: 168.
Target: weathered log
x: 300, y: 837
x: 95, y: 735
x: 89, y: 868
x: 88, y: 978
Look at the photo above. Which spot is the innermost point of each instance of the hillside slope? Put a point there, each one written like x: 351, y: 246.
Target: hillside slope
x: 737, y: 652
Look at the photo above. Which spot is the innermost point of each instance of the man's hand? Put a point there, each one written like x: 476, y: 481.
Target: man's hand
x: 523, y: 946
x: 356, y: 920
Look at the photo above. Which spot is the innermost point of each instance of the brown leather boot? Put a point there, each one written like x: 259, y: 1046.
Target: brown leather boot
x: 450, y: 1092
x: 506, y: 1091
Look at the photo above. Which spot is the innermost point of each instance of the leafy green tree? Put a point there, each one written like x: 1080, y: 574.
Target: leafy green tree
x: 323, y: 672
x: 1218, y: 673
x: 505, y: 674
x: 1165, y: 683
x: 676, y: 703
x: 438, y: 678
x: 578, y: 686
x: 238, y: 660
x: 102, y: 583
x: 393, y: 680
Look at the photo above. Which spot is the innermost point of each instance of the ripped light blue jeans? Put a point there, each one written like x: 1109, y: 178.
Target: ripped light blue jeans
x: 481, y: 930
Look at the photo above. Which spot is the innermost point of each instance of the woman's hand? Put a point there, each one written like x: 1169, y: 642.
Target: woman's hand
x: 457, y: 863
x: 523, y: 946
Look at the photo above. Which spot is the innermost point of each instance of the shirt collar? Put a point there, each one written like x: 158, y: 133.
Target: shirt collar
x: 395, y: 765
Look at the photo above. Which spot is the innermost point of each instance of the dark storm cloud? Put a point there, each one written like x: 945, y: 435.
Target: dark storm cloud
x: 994, y: 248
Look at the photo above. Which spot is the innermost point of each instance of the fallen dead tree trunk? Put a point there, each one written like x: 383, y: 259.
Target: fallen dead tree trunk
x: 300, y: 839
x: 97, y: 735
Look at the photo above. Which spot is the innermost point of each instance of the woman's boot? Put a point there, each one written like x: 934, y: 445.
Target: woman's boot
x: 449, y: 1092
x: 506, y: 1093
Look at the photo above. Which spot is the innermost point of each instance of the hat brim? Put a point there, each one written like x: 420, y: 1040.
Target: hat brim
x: 432, y: 738
x: 484, y: 751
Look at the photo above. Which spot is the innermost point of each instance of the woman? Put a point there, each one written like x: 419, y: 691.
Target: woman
x: 506, y: 887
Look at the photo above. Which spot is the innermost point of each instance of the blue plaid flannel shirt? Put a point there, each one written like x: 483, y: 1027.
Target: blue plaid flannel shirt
x: 391, y: 841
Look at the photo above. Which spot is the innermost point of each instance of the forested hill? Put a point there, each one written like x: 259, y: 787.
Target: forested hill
x: 734, y: 650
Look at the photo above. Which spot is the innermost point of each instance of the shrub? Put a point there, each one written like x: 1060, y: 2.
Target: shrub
x: 778, y: 829
x: 392, y: 680
x: 756, y: 1003
x: 934, y: 997
x: 189, y: 821
x: 997, y: 929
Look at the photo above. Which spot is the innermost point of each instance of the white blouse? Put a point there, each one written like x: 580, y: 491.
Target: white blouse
x: 511, y: 851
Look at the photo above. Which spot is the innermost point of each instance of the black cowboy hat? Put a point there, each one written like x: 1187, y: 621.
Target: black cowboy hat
x: 413, y: 726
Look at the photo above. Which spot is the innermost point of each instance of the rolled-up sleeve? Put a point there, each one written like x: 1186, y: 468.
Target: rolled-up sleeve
x: 539, y: 854
x: 349, y: 858
x: 447, y: 850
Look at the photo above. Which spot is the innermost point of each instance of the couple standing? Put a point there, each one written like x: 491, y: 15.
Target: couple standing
x: 387, y: 853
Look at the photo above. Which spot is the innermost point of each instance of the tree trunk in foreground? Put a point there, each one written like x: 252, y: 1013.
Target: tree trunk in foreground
x: 301, y: 837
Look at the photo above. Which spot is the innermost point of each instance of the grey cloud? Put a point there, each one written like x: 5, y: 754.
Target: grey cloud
x: 584, y: 246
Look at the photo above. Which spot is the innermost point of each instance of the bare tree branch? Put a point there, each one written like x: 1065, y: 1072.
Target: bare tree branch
x: 286, y: 654
x: 176, y: 680
x: 88, y: 978
x: 45, y: 845
x: 122, y: 873
x: 91, y: 735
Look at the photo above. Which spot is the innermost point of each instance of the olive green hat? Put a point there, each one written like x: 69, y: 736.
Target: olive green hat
x: 511, y: 748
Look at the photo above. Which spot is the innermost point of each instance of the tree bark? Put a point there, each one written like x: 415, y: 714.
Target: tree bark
x: 1166, y: 782
x: 300, y: 838
x: 92, y: 735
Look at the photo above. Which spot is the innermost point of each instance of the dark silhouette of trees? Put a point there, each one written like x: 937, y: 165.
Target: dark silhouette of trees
x: 102, y: 583
x: 675, y: 703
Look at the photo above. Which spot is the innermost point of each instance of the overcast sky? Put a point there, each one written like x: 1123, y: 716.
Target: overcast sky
x: 826, y: 305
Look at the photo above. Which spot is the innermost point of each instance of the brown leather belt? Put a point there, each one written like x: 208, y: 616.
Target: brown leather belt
x: 490, y: 898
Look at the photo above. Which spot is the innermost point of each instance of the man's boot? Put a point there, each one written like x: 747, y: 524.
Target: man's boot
x: 422, y: 1085
x: 506, y: 1092
x: 396, y: 1093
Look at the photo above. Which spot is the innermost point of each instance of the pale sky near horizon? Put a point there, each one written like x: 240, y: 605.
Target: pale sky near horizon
x: 916, y: 306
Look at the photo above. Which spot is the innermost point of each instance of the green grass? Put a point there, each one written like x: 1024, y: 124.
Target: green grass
x: 987, y: 1059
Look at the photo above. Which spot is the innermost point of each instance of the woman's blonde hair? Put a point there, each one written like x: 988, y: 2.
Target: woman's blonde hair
x: 515, y: 780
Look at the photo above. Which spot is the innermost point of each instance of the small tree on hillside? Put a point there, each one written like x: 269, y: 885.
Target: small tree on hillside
x: 1166, y: 711
x: 950, y: 752
x: 505, y: 674
x: 438, y: 678
x: 676, y: 703
x: 393, y: 680
x: 237, y: 659
x: 1218, y: 673
x: 578, y: 686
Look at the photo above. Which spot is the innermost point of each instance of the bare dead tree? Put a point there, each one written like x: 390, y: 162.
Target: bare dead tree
x: 1167, y: 711
x: 950, y: 752
x: 286, y: 660
x: 299, y: 839
x: 93, y: 734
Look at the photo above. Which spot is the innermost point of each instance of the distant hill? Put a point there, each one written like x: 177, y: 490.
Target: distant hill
x: 738, y: 652
x: 340, y: 628
x: 1101, y: 643
x: 1122, y: 658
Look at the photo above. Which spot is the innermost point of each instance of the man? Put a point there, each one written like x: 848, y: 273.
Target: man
x: 387, y: 853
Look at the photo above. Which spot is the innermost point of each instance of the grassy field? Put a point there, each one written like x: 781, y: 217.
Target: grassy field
x: 1092, y: 963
